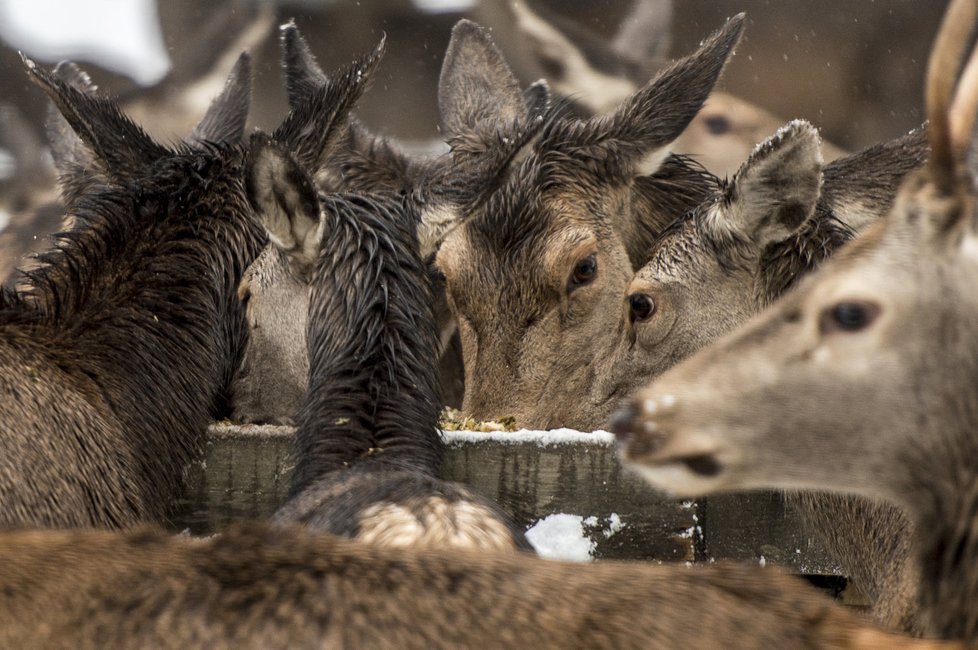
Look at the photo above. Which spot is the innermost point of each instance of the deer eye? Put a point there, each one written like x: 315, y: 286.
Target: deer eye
x: 642, y: 307
x: 584, y: 272
x: 717, y: 124
x: 848, y: 316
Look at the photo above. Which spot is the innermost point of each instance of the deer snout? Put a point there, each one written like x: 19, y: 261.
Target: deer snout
x: 651, y: 433
x: 638, y: 427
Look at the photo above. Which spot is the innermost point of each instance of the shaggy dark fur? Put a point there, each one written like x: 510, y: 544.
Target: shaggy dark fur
x: 118, y: 353
x: 120, y: 350
x: 368, y: 430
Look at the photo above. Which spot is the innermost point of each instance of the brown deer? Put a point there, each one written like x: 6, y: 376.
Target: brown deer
x: 256, y: 586
x: 861, y: 379
x: 596, y: 76
x: 122, y: 347
x: 719, y: 265
x: 532, y: 270
x: 367, y: 448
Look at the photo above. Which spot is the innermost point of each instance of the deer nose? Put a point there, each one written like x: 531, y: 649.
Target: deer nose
x: 641, y: 305
x: 622, y: 422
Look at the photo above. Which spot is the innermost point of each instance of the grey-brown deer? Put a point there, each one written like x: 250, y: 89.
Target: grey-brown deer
x: 779, y: 217
x: 535, y: 268
x: 862, y: 379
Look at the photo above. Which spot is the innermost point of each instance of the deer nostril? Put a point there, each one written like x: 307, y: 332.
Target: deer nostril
x: 642, y: 306
x: 622, y: 423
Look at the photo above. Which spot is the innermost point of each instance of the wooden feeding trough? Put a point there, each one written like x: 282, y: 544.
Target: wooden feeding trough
x: 533, y: 475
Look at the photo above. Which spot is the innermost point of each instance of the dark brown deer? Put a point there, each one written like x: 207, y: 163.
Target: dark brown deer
x: 271, y: 382
x: 862, y: 379
x: 122, y: 348
x: 266, y: 587
x: 367, y: 448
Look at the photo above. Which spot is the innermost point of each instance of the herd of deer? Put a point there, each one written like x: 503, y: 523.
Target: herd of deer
x: 323, y: 276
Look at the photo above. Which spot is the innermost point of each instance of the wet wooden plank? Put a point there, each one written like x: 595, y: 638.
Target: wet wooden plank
x: 246, y: 469
x: 761, y: 526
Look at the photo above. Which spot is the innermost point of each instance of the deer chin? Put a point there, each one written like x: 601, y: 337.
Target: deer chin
x: 681, y: 477
x: 689, y: 466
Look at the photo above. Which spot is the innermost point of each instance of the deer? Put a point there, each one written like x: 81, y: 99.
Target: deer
x: 261, y: 586
x: 271, y: 382
x: 597, y: 75
x: 859, y: 380
x: 367, y: 447
x: 121, y: 349
x: 781, y: 216
x: 553, y: 245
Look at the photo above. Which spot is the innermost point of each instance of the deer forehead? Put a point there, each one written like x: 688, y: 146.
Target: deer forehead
x: 678, y: 255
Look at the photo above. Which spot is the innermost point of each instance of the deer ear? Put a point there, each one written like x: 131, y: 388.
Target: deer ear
x: 320, y: 116
x: 224, y: 121
x: 640, y: 131
x: 285, y: 202
x: 89, y: 135
x: 774, y: 193
x: 476, y: 85
x: 303, y: 76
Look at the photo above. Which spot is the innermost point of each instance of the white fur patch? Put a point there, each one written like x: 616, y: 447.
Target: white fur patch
x: 433, y: 522
x: 436, y: 222
x: 969, y: 246
x: 652, y: 161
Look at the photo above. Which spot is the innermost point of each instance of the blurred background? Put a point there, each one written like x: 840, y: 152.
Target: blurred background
x: 853, y: 68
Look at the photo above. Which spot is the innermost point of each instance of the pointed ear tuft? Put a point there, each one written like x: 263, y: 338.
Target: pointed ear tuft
x: 225, y: 119
x: 320, y: 118
x: 476, y: 85
x: 285, y: 201
x: 641, y: 130
x: 303, y: 76
x: 537, y: 98
x: 774, y: 193
x: 116, y: 142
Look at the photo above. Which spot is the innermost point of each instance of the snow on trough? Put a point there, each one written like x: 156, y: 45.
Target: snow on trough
x: 527, y: 436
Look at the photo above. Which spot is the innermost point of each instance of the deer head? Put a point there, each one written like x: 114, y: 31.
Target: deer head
x: 535, y: 272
